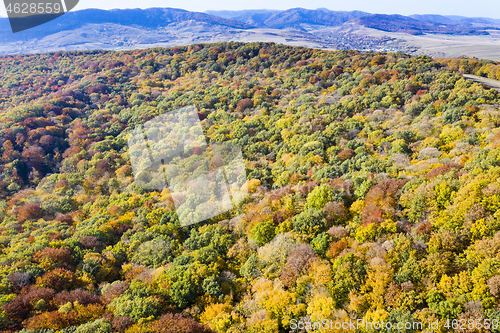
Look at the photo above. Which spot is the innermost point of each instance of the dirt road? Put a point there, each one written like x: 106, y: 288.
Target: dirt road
x: 495, y: 84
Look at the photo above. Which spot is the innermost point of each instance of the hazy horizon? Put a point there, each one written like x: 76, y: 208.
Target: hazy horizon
x: 482, y: 8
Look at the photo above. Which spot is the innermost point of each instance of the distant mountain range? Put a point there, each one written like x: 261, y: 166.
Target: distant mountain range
x: 140, y: 28
x: 400, y: 23
x: 151, y: 18
x: 297, y: 18
x: 452, y: 19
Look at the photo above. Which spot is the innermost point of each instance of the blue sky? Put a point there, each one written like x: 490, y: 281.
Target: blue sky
x: 475, y: 8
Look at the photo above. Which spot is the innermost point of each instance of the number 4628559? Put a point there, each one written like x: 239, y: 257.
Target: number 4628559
x: 471, y: 324
x: 34, y: 8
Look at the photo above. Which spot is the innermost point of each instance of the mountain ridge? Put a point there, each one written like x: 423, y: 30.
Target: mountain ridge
x: 147, y: 18
x: 320, y: 28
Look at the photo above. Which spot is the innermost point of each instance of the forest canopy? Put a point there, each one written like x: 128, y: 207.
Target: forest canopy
x: 373, y: 184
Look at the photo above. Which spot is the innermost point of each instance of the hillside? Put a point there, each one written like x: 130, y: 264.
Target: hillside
x: 373, y: 183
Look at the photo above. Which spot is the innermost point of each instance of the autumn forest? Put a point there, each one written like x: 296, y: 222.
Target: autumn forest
x: 373, y: 192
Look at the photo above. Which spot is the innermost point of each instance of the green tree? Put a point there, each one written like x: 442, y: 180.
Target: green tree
x: 319, y: 197
x: 263, y: 232
x: 98, y: 326
x: 310, y: 222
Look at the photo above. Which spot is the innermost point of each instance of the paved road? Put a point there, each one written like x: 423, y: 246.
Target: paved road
x: 495, y: 84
